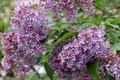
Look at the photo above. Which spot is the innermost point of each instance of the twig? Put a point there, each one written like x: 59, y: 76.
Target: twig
x: 103, y: 11
x: 35, y: 71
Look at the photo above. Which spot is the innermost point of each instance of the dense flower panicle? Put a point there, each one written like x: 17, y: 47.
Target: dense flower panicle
x: 71, y: 58
x: 23, y: 47
x: 89, y: 44
x: 69, y: 7
x: 27, y: 15
x: 21, y: 52
x: 30, y: 19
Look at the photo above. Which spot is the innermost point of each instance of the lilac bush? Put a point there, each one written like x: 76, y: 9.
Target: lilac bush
x: 58, y: 27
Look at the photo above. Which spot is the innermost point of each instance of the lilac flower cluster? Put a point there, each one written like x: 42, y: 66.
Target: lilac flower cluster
x: 23, y: 46
x: 71, y: 59
x: 69, y: 7
x: 113, y: 65
x: 29, y: 19
x: 89, y: 44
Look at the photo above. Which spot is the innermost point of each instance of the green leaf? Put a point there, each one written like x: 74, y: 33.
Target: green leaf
x: 116, y: 46
x: 92, y: 68
x: 2, y: 25
x: 113, y: 25
x: 65, y: 26
x: 65, y: 36
x: 64, y: 32
x: 96, y: 20
x: 62, y: 26
x: 44, y: 57
x: 49, y: 71
x: 112, y: 20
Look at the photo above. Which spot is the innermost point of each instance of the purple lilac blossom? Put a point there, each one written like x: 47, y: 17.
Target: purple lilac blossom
x: 30, y: 19
x: 70, y: 59
x: 89, y: 44
x: 24, y: 46
x: 68, y: 7
x: 21, y: 52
